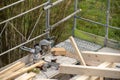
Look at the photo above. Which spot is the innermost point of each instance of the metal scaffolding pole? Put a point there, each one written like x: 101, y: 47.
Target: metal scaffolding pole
x: 63, y: 20
x: 11, y: 5
x: 104, y: 25
x: 75, y: 19
x: 88, y: 20
x: 114, y: 27
x: 36, y: 23
x: 24, y: 43
x: 47, y: 9
x: 48, y: 18
x: 107, y: 22
x: 52, y: 4
x: 23, y: 13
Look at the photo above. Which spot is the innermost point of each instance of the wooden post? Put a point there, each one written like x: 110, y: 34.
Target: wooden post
x: 77, y: 50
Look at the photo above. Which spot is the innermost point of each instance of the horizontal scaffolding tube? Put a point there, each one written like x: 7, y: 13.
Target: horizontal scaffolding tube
x: 114, y: 27
x: 11, y: 4
x: 24, y: 43
x: 52, y: 4
x: 90, y: 21
x: 63, y: 20
x: 23, y: 13
x: 96, y: 22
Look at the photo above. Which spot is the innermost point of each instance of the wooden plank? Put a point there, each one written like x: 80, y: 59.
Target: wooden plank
x: 10, y: 68
x: 97, y: 56
x: 101, y: 56
x: 77, y: 51
x: 90, y: 71
x: 88, y: 62
x: 26, y: 76
x: 13, y: 69
x: 30, y: 76
x: 17, y: 73
x: 103, y: 65
x: 92, y: 63
x: 85, y: 77
x: 58, y: 51
x: 47, y: 79
x: 22, y: 76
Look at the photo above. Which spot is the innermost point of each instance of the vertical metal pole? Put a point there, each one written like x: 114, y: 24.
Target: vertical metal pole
x: 107, y: 23
x: 0, y: 44
x: 75, y: 22
x: 48, y: 18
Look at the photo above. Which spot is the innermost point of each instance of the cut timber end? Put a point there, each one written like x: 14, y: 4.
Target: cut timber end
x: 58, y: 51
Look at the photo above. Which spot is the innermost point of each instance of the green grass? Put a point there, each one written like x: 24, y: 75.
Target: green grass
x: 96, y: 10
x: 89, y: 37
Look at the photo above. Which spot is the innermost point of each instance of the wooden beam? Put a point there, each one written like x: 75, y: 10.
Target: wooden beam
x: 88, y: 62
x: 17, y: 73
x: 97, y: 56
x: 26, y: 76
x: 90, y: 71
x: 21, y: 77
x: 46, y: 79
x: 103, y: 65
x: 77, y: 51
x: 85, y: 77
x: 10, y: 70
x: 101, y: 56
x: 31, y: 75
x: 58, y: 51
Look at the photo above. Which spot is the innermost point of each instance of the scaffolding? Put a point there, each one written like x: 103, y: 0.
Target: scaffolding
x: 46, y: 8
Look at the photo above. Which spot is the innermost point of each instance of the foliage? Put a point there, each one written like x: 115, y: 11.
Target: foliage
x: 10, y: 38
x: 96, y: 11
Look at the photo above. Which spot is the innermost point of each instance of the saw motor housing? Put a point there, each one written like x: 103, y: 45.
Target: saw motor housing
x: 45, y: 46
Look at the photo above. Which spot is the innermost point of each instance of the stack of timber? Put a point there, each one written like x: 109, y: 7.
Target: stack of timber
x: 94, y: 72
x: 16, y: 70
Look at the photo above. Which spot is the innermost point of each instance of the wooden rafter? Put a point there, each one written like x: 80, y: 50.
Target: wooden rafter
x: 90, y: 71
x: 85, y: 77
x: 98, y: 56
x: 81, y: 59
